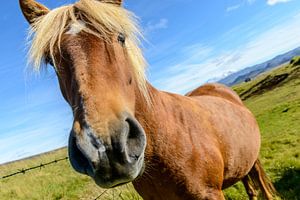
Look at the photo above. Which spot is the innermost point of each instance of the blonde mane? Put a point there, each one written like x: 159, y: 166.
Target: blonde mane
x: 104, y: 17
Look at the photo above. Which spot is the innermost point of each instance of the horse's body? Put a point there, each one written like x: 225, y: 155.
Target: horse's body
x: 170, y: 146
x: 197, y: 145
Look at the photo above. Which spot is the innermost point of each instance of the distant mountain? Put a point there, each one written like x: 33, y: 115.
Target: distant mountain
x: 253, y: 71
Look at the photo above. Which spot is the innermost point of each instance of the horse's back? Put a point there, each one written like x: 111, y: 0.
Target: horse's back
x: 217, y: 90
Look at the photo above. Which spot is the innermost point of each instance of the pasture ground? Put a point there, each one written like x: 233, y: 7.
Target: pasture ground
x: 273, y: 97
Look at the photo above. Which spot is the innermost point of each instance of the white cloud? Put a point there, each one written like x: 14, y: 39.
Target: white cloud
x: 161, y: 24
x: 207, y: 63
x: 232, y: 8
x: 273, y: 2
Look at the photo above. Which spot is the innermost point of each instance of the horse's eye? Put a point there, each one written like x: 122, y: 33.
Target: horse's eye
x: 121, y: 39
x: 49, y: 61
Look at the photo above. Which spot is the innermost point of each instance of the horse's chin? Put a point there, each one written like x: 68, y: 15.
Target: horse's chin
x: 109, y: 185
x: 114, y: 180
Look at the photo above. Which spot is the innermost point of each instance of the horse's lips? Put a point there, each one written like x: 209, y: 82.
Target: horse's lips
x: 110, y: 182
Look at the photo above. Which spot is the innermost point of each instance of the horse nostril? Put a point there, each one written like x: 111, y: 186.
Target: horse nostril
x: 95, y: 144
x: 134, y: 157
x: 95, y: 141
x: 136, y: 140
x: 134, y: 129
x: 94, y: 164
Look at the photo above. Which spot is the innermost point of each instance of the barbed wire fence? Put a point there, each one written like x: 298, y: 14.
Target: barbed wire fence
x: 43, y: 165
x: 23, y: 171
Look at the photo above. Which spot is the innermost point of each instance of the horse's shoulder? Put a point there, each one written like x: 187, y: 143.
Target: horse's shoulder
x: 218, y: 90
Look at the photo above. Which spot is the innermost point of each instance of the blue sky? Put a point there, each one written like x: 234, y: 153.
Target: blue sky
x: 189, y: 42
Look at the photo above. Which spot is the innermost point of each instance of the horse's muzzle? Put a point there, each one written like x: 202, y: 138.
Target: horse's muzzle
x: 113, y: 160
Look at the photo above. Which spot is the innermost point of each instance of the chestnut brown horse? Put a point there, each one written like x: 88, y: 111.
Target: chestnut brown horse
x: 170, y: 146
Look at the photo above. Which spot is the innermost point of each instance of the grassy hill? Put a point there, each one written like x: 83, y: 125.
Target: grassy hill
x: 273, y: 97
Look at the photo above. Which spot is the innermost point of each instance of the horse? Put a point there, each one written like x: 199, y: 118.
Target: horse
x: 168, y: 145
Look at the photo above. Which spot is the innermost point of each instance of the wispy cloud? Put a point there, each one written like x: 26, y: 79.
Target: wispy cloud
x: 153, y: 26
x: 232, y: 8
x: 33, y: 122
x: 274, y: 2
x: 23, y: 141
x: 237, y: 6
x: 190, y: 73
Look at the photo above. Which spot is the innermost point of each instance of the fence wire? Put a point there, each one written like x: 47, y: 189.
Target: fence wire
x: 23, y: 171
x: 42, y: 165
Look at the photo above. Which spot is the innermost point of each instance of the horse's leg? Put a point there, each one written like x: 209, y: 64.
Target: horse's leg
x: 250, y: 188
x: 260, y: 178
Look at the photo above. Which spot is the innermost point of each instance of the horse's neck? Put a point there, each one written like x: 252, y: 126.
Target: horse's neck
x: 146, y: 113
x: 158, y: 121
x: 146, y: 110
x: 158, y: 116
x: 141, y: 103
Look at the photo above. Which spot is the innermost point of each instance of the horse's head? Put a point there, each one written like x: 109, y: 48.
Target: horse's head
x: 93, y: 47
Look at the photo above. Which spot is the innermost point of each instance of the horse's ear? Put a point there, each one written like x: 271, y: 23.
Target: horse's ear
x: 116, y: 2
x: 32, y: 10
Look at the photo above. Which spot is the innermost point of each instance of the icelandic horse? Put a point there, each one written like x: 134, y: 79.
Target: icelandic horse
x: 125, y: 130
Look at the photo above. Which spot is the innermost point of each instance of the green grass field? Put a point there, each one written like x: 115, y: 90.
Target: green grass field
x: 273, y: 97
